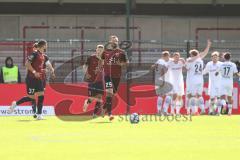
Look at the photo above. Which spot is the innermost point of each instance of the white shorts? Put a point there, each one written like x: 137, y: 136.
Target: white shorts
x: 214, y: 91
x: 226, y: 89
x: 178, y: 88
x: 195, y: 89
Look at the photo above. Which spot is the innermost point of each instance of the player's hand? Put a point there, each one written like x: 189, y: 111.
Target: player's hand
x: 217, y: 73
x: 153, y: 66
x: 209, y: 43
x: 37, y: 74
x: 87, y: 76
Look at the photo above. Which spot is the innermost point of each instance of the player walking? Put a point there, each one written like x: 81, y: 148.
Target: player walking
x: 94, y: 76
x: 212, y: 69
x: 34, y: 80
x: 114, y: 59
x: 163, y: 83
x: 227, y: 70
x: 175, y: 67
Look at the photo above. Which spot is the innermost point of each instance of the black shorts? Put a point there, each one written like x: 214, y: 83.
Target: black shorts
x: 112, y: 83
x: 95, y: 89
x: 34, y: 85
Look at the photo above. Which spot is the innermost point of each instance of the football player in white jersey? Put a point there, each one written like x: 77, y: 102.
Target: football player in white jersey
x: 175, y: 67
x: 194, y: 81
x: 227, y: 70
x: 162, y: 83
x: 212, y: 69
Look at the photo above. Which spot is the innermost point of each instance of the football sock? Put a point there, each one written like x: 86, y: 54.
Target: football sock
x: 201, y: 104
x: 97, y: 107
x: 34, y: 107
x: 178, y: 106
x: 159, y: 103
x: 219, y: 106
x: 229, y: 108
x: 109, y: 105
x: 166, y: 103
x: 40, y: 104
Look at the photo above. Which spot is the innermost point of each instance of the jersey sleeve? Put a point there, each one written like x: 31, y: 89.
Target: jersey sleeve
x: 32, y: 56
x: 123, y: 57
x: 88, y: 61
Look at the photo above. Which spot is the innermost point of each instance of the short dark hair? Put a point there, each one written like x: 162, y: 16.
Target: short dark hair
x: 41, y: 43
x: 227, y: 56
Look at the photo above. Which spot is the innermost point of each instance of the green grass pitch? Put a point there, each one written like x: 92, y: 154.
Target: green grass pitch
x: 204, y: 137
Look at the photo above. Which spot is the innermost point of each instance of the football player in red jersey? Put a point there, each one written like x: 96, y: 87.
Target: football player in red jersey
x: 47, y: 67
x: 114, y: 59
x: 35, y: 78
x: 94, y: 76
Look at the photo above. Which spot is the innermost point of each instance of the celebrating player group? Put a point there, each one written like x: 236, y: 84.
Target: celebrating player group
x: 169, y: 74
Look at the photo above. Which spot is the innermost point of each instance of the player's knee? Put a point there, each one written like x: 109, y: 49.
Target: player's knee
x: 109, y: 92
x: 192, y: 101
x: 223, y: 102
x: 201, y: 101
x: 168, y: 99
x: 219, y: 102
x: 31, y: 96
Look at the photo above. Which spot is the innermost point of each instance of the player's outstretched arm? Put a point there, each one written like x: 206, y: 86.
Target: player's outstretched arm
x: 206, y: 50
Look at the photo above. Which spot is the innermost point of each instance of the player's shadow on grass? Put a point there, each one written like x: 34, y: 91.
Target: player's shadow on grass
x: 28, y: 120
x: 25, y: 120
x: 101, y: 122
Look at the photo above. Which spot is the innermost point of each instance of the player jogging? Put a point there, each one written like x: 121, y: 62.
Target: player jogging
x: 214, y: 83
x: 46, y: 67
x: 34, y: 80
x: 227, y: 70
x: 194, y: 81
x: 175, y: 67
x: 114, y: 59
x: 94, y: 76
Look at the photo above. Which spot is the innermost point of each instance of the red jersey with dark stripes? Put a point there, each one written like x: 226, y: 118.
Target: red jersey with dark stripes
x: 111, y: 58
x: 38, y: 61
x: 95, y: 69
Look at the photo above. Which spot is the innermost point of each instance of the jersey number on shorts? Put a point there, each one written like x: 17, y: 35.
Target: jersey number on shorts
x: 108, y: 84
x: 226, y: 71
x: 31, y: 91
x: 198, y: 68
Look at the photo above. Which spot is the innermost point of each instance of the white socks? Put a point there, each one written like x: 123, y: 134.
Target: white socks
x: 159, y: 103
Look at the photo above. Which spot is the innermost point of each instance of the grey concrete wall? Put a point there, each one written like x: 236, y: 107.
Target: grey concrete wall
x: 165, y: 28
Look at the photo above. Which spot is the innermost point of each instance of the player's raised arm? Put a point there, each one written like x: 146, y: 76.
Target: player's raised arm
x: 206, y: 50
